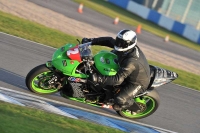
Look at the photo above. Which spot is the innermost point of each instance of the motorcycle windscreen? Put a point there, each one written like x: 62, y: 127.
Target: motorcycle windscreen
x: 74, y: 54
x: 163, y: 76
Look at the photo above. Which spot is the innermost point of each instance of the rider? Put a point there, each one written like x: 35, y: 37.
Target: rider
x: 133, y: 77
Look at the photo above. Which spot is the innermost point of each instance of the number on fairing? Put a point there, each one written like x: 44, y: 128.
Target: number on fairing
x: 72, y: 51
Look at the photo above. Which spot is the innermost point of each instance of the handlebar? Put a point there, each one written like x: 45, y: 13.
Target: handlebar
x: 88, y: 43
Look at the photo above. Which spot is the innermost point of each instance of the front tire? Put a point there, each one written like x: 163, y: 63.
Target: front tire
x: 36, y: 78
x: 151, y: 101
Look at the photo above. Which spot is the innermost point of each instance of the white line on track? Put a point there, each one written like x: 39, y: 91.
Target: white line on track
x: 92, y: 111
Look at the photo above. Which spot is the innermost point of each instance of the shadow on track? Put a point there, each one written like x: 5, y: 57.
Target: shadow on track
x: 19, y: 81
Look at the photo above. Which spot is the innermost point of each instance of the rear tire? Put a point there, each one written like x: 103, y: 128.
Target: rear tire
x: 151, y: 106
x: 33, y: 76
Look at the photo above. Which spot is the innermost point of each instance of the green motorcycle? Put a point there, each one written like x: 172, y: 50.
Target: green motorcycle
x: 68, y: 71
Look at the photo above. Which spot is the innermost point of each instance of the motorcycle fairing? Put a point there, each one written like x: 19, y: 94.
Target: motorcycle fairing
x: 105, y: 62
x: 74, y: 54
x: 62, y: 62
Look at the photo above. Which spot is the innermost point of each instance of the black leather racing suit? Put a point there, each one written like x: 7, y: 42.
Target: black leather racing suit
x: 133, y: 75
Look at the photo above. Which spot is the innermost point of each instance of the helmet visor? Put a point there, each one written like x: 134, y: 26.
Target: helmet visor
x: 121, y: 43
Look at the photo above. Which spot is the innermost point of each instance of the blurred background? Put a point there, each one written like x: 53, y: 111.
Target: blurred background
x: 185, y: 11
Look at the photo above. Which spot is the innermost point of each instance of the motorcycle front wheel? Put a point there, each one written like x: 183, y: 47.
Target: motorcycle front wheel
x: 37, y: 80
x: 148, y: 104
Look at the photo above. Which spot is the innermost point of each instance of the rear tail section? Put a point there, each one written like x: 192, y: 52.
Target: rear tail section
x: 161, y: 76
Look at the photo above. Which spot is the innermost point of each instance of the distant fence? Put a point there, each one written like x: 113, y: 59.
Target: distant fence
x: 184, y: 30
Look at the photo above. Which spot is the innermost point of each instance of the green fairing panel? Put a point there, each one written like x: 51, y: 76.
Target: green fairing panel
x: 62, y: 62
x: 106, y: 63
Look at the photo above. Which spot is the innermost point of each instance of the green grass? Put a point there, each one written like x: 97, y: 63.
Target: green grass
x: 129, y: 18
x: 18, y: 119
x: 39, y: 33
x: 33, y: 31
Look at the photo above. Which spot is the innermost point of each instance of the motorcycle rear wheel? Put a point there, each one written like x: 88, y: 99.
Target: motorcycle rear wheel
x: 36, y: 80
x: 151, y: 100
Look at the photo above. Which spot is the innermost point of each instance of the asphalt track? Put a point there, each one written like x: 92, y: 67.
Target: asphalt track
x: 178, y: 111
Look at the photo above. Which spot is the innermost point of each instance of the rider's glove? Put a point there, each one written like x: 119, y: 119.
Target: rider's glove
x: 97, y: 78
x: 85, y: 40
x: 93, y: 40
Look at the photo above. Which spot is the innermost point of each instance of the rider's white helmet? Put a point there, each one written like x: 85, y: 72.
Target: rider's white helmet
x: 125, y: 40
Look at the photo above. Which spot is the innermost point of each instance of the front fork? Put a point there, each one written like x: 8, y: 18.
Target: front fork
x: 57, y: 78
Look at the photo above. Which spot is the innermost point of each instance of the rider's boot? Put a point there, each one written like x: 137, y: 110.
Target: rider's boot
x: 124, y: 98
x: 118, y: 107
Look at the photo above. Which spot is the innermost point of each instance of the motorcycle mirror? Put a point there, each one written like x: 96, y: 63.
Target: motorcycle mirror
x: 78, y: 41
